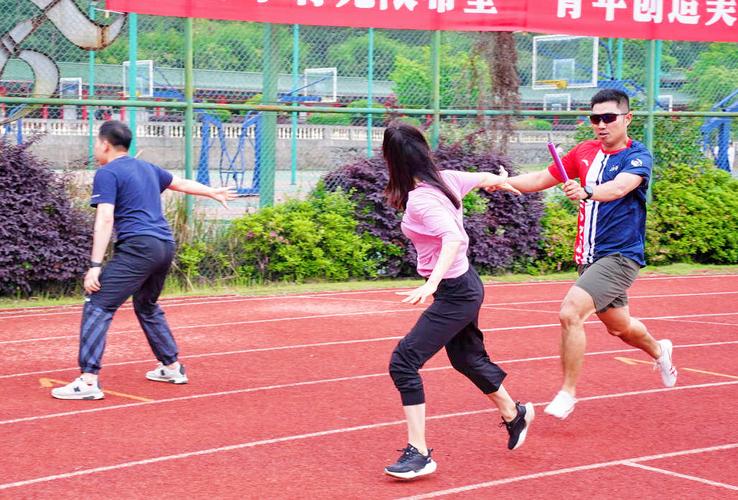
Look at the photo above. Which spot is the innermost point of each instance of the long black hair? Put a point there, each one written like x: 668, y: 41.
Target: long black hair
x: 409, y: 160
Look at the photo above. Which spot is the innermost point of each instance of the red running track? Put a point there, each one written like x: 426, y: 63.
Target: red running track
x: 289, y: 398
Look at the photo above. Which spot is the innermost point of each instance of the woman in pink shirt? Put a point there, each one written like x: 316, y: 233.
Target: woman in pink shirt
x: 433, y: 221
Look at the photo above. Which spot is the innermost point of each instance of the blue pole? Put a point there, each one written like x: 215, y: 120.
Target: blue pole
x: 132, y: 76
x: 370, y: 81
x: 90, y: 94
x: 295, y: 84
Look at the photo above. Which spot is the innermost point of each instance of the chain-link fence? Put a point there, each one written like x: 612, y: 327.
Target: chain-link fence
x: 282, y: 154
x: 271, y: 109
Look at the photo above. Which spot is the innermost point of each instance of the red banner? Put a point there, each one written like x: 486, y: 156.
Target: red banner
x: 695, y: 20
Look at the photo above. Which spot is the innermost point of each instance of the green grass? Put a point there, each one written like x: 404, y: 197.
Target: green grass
x: 293, y: 288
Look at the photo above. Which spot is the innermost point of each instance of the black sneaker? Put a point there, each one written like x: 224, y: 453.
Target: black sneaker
x: 517, y: 428
x: 411, y: 464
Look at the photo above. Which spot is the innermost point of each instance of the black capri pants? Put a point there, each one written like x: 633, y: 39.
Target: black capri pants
x: 451, y: 322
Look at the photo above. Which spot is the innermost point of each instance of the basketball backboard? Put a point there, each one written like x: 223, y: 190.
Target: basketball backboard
x: 563, y: 61
x: 144, y: 78
x: 321, y: 82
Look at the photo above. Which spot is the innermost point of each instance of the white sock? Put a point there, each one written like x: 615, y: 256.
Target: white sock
x: 89, y: 378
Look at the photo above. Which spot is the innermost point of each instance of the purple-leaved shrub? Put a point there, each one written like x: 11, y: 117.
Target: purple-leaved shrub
x: 503, y: 237
x: 44, y: 240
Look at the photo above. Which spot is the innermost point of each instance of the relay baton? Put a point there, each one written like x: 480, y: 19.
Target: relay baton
x: 557, y: 161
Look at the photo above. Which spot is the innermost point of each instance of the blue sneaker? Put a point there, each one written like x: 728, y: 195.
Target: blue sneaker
x: 518, y: 427
x: 411, y: 464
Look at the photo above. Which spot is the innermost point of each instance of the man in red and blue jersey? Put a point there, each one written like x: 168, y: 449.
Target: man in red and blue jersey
x: 614, y: 172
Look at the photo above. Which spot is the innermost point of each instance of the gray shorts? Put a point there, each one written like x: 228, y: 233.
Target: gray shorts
x: 607, y: 280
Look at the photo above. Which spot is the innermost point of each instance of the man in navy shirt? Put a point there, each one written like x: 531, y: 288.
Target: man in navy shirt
x: 127, y: 195
x: 614, y: 171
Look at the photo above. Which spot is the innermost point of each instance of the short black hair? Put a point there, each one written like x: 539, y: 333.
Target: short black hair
x: 610, y: 95
x: 116, y: 133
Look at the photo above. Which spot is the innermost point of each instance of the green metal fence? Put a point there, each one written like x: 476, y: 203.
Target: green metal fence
x: 216, y: 99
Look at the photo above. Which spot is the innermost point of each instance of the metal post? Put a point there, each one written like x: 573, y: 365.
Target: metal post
x: 436, y: 87
x: 657, y: 72
x: 132, y: 74
x: 650, y: 92
x: 295, y: 85
x: 189, y: 91
x: 619, y: 64
x: 369, y: 89
x: 91, y: 10
x: 269, y: 118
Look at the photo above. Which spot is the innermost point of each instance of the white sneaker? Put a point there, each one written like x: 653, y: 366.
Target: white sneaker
x: 78, y: 389
x: 163, y: 374
x: 561, y: 406
x: 664, y: 364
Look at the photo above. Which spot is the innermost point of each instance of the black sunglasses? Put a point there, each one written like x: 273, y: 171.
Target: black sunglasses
x: 605, y: 117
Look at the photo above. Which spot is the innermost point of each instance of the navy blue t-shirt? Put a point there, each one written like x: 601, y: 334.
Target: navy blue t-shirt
x: 609, y: 227
x: 135, y: 188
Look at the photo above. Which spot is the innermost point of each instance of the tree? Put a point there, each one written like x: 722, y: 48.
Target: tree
x: 714, y: 74
x: 499, y: 52
x: 351, y: 56
x: 413, y: 83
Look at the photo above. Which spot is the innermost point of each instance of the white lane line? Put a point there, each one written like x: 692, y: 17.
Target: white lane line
x: 215, y: 354
x: 344, y: 430
x: 345, y: 379
x: 522, y: 309
x: 233, y: 323
x: 682, y: 476
x: 323, y: 344
x: 333, y: 315
x: 568, y: 470
x: 631, y: 297
x: 702, y: 322
x: 180, y: 301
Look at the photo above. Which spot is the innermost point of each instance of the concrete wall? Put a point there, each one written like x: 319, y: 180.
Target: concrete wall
x: 320, y: 148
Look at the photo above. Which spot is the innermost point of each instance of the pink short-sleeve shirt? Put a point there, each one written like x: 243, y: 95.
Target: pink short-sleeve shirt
x: 431, y: 219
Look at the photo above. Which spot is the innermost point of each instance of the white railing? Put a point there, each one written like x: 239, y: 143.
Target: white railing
x: 305, y: 132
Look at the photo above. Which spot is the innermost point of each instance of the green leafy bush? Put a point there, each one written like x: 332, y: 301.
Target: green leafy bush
x: 329, y: 119
x: 222, y: 114
x: 535, y: 124
x: 474, y: 203
x: 299, y: 240
x: 693, y: 216
x: 359, y: 119
x: 558, y: 233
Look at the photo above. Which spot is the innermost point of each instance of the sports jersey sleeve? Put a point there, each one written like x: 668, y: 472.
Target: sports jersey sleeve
x: 165, y: 178
x: 435, y: 220
x: 639, y: 162
x: 463, y: 182
x: 104, y: 188
x: 570, y: 165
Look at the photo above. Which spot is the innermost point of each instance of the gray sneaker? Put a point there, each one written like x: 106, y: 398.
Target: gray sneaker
x: 163, y: 374
x: 78, y: 389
